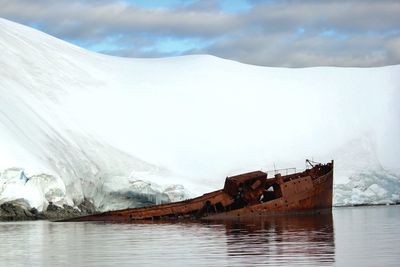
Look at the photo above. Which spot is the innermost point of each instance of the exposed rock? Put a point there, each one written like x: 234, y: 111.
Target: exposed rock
x: 17, y: 211
x: 87, y: 207
x: 21, y: 211
x: 54, y: 212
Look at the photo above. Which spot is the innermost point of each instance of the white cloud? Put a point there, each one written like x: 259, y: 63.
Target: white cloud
x: 362, y: 33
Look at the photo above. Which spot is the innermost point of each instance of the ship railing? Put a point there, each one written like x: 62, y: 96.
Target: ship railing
x: 286, y: 171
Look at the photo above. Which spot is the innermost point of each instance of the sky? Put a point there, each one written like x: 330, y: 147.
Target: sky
x: 352, y: 33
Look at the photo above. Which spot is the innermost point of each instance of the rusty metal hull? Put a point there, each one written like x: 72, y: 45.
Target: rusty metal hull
x: 306, y: 197
x: 244, y: 196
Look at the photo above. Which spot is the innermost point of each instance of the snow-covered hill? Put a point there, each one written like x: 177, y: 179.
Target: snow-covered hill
x: 103, y: 124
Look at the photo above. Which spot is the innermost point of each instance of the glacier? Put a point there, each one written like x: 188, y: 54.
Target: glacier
x: 377, y: 187
x: 126, y: 132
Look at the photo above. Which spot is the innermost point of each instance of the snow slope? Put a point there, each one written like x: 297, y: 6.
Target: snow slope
x: 102, y: 123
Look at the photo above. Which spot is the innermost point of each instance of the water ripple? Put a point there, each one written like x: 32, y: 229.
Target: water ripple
x: 322, y: 240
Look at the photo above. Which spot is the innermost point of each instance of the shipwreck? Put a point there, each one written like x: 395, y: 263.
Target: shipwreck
x: 247, y: 195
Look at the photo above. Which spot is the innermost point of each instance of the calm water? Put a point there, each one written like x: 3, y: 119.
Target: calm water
x: 365, y: 236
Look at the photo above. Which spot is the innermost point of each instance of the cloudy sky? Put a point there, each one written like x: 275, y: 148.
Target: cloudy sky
x: 271, y: 33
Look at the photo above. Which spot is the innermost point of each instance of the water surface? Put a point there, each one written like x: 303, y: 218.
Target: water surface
x: 363, y: 236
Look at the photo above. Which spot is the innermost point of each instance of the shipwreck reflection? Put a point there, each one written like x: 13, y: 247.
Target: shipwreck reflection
x: 287, y: 239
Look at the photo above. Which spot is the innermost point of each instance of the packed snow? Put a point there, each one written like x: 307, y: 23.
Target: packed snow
x: 125, y: 132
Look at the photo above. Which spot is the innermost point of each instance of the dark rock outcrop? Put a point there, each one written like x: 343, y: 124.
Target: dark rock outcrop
x: 21, y: 211
x: 18, y: 211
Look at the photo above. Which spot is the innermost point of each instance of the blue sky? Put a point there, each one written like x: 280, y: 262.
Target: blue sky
x: 287, y: 33
x: 233, y: 6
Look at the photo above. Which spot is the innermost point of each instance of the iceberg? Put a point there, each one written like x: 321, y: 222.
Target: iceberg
x: 125, y: 132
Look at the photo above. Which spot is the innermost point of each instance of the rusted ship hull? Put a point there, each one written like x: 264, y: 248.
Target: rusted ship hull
x: 243, y: 196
